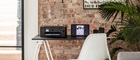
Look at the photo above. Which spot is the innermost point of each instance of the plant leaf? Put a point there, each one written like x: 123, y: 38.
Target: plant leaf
x: 113, y: 29
x: 109, y: 9
x: 113, y: 52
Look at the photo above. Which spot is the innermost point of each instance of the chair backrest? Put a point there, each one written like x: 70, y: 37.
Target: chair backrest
x: 128, y: 56
x: 95, y: 48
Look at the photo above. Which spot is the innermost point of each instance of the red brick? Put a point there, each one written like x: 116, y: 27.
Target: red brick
x: 65, y: 14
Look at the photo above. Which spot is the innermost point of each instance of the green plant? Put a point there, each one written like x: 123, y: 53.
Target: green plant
x: 130, y: 18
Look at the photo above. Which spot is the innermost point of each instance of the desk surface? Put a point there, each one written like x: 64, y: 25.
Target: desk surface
x: 37, y: 37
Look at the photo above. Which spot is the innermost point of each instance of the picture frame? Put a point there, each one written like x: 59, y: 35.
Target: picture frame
x: 79, y: 30
x: 91, y: 4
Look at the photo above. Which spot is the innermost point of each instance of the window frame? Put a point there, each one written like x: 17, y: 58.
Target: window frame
x: 22, y: 31
x: 22, y: 2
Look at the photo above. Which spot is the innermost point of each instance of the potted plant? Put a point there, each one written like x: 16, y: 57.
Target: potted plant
x: 130, y: 21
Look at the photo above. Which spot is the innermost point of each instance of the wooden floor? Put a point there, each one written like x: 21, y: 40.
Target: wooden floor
x: 10, y: 55
x: 8, y: 38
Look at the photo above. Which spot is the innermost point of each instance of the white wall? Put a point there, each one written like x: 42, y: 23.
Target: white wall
x: 30, y: 27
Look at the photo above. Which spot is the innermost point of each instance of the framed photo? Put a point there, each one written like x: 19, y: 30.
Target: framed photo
x: 91, y: 4
x: 79, y: 30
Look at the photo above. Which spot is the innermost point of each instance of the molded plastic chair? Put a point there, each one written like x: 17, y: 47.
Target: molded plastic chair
x: 95, y: 48
x: 128, y: 56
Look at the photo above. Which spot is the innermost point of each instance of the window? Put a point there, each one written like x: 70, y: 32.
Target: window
x: 11, y: 30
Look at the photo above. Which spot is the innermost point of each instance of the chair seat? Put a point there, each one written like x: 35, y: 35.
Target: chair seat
x: 128, y: 56
x: 95, y: 48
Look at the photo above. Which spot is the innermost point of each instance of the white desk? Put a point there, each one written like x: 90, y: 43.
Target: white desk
x: 44, y: 40
x: 48, y: 52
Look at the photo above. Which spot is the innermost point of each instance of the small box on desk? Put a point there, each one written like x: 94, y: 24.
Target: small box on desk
x: 101, y: 30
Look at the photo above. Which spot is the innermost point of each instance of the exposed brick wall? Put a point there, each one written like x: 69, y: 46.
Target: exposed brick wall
x: 63, y: 50
x: 56, y: 13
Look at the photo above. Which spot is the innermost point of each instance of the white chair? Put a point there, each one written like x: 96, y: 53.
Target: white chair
x: 95, y: 48
x: 128, y: 56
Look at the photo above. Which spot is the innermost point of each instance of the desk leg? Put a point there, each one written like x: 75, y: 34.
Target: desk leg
x: 37, y: 50
x: 49, y: 49
x: 46, y: 50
